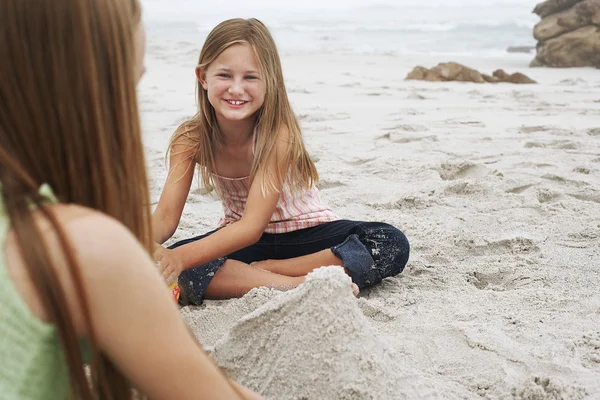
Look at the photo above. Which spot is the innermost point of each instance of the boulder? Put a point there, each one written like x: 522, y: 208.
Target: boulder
x: 423, y: 74
x: 579, y: 48
x: 568, y: 34
x: 489, y: 78
x: 550, y: 7
x: 517, y: 77
x: 586, y: 12
x: 451, y: 71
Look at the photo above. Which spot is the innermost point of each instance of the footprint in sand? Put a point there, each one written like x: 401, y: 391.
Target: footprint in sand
x: 463, y: 122
x: 498, y: 281
x: 545, y: 195
x: 593, y: 132
x: 554, y: 144
x: 582, y: 239
x: 407, y: 111
x: 547, y: 388
x: 299, y: 90
x: 351, y: 85
x: 465, y: 188
x: 319, y: 117
x: 519, y: 189
x: 395, y: 137
x: 572, y: 82
x: 325, y: 184
x: 533, y: 129
x: 582, y: 170
x: 405, y: 203
x: 416, y: 96
x: 589, y: 345
x: 592, y: 197
x: 360, y: 161
x: 464, y: 169
x: 408, y: 128
x: 516, y: 245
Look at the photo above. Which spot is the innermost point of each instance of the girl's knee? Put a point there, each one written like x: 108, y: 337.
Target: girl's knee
x: 395, y: 251
x: 401, y: 250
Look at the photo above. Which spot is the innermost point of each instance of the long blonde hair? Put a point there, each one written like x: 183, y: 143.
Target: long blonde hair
x: 201, y: 133
x: 69, y: 118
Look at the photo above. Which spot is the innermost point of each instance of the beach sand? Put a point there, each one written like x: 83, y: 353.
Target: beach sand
x: 497, y: 187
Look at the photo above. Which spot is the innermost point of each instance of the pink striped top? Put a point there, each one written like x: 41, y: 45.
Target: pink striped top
x: 293, y: 211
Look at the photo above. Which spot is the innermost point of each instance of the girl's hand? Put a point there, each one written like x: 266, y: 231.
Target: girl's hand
x: 169, y: 263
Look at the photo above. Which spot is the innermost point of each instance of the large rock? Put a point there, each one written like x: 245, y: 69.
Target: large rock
x: 451, y: 71
x: 584, y: 13
x: 550, y: 7
x: 517, y: 77
x: 568, y: 34
x: 579, y: 48
x: 445, y: 72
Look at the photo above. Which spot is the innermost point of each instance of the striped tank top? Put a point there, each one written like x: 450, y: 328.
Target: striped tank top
x: 293, y: 212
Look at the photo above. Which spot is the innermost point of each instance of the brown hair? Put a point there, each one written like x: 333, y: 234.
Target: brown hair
x: 202, y: 133
x: 69, y: 118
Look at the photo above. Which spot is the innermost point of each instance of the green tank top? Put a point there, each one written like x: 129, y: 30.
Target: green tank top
x: 32, y: 364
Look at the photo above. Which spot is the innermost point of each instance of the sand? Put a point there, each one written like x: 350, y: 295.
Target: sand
x: 497, y: 188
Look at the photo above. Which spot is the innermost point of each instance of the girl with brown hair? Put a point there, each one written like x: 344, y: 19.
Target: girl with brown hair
x: 77, y: 285
x: 248, y: 146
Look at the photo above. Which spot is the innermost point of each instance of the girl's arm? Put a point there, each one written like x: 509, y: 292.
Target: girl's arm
x: 175, y: 191
x: 154, y: 349
x: 245, y: 232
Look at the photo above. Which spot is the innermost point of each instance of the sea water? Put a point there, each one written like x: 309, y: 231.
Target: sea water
x: 451, y: 27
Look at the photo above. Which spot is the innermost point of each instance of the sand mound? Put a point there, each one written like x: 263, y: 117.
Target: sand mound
x: 315, y: 343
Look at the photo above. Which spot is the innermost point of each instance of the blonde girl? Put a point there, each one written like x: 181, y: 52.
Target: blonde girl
x: 247, y: 144
x: 76, y: 278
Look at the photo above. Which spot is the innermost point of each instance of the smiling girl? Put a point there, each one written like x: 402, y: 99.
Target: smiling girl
x: 247, y: 144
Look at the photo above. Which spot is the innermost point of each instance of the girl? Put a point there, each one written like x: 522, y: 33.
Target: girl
x: 248, y: 147
x: 75, y: 284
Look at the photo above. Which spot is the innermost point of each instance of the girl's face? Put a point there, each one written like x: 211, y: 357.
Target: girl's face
x: 234, y: 83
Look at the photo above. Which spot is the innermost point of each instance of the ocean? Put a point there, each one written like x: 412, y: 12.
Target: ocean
x: 451, y: 27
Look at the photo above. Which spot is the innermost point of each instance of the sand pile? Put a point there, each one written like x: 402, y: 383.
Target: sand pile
x: 315, y: 343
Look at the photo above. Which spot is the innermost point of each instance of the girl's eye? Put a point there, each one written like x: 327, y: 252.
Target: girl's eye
x: 251, y: 77
x: 223, y: 75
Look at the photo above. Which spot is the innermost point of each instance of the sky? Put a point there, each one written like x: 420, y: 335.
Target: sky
x: 167, y: 6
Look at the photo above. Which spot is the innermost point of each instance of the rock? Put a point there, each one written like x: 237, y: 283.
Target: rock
x: 579, y: 48
x: 489, y: 78
x: 584, y: 13
x: 423, y: 74
x: 520, y: 49
x: 550, y: 7
x: 517, y: 77
x: 568, y: 34
x: 452, y: 71
x: 417, y: 73
x: 456, y: 72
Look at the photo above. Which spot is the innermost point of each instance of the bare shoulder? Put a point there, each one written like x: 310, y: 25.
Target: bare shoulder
x: 101, y: 246
x: 89, y: 232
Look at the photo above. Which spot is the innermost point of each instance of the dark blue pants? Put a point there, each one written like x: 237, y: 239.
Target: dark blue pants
x: 370, y: 251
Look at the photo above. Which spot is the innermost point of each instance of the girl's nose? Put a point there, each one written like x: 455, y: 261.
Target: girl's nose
x: 236, y: 88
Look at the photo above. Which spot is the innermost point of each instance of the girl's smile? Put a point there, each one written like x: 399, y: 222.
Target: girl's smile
x: 234, y: 84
